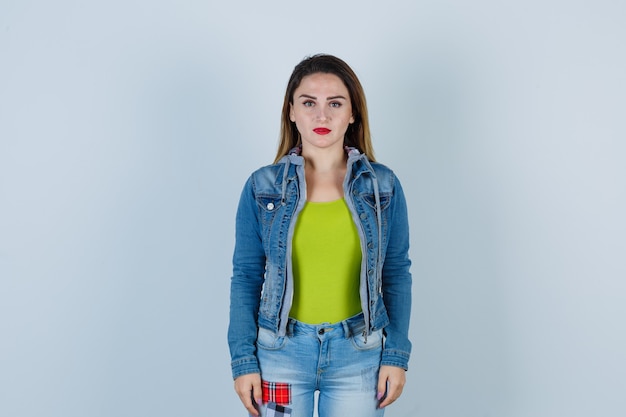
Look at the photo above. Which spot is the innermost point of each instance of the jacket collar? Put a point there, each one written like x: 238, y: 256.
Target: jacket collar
x: 294, y: 156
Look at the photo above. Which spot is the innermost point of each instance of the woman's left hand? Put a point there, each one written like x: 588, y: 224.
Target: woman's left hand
x: 391, y: 380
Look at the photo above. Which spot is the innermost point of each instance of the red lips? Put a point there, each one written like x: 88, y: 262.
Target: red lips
x: 321, y: 130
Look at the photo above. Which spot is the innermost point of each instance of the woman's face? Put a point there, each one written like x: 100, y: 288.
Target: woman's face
x: 322, y: 111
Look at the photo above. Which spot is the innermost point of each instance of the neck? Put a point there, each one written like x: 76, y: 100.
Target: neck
x: 324, y: 160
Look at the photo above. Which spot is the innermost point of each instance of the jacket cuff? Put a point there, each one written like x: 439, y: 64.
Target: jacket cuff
x: 396, y: 358
x: 245, y: 366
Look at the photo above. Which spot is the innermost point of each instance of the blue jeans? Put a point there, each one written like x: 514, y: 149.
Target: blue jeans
x: 334, y: 359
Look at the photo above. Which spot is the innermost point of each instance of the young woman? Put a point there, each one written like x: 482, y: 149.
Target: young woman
x: 321, y: 288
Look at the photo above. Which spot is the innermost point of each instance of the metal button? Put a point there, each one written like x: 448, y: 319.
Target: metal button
x: 321, y: 331
x: 270, y: 206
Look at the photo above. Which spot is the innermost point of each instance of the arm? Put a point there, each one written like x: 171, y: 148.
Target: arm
x: 246, y: 285
x: 396, y: 287
x: 396, y: 283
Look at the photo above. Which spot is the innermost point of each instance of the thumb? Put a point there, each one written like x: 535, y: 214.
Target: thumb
x: 382, y: 386
x: 257, y: 392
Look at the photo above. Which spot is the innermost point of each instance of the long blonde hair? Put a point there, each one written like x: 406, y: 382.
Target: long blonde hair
x: 358, y: 133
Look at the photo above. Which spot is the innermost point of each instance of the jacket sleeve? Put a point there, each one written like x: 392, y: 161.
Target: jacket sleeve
x: 246, y: 285
x: 396, y: 283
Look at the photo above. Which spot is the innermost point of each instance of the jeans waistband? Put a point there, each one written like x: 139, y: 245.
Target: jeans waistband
x: 349, y: 327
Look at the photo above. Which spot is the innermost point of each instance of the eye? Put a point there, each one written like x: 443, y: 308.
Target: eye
x: 335, y: 104
x: 308, y: 103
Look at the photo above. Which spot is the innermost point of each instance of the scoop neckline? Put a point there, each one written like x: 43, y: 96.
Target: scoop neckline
x: 325, y: 202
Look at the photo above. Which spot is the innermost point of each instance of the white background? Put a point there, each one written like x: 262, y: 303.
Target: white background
x: 127, y: 129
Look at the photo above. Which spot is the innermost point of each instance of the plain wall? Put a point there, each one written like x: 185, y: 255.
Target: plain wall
x: 127, y: 129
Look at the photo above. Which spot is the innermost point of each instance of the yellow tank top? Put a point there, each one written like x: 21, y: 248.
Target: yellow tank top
x: 326, y: 264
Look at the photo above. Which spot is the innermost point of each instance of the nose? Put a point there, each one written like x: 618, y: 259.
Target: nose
x: 322, y: 113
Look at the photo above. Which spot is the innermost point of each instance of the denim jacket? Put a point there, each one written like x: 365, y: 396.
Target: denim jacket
x: 262, y: 281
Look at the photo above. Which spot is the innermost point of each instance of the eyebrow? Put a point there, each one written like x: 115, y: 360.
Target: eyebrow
x: 328, y: 98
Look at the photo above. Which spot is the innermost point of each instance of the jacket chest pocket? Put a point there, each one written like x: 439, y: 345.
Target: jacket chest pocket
x: 269, y: 206
x: 370, y: 200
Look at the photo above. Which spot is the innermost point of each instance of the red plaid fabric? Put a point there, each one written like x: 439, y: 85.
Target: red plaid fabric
x: 276, y: 392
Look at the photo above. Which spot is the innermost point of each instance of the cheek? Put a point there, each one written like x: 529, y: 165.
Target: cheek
x: 299, y: 126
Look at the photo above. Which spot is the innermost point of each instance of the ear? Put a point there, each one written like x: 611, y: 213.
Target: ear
x: 352, y: 118
x: 292, y: 116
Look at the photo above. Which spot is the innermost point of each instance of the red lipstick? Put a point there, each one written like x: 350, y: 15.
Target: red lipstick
x: 321, y: 131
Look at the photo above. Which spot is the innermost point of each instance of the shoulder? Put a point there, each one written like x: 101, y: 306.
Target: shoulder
x: 388, y: 180
x: 382, y: 169
x: 385, y: 175
x: 266, y: 178
x: 268, y: 171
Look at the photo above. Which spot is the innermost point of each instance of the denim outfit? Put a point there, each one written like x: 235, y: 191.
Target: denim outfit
x: 262, y: 282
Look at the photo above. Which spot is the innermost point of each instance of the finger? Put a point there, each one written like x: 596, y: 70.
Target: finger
x: 390, y: 398
x: 257, y: 393
x: 383, y: 393
x: 382, y: 385
x: 250, y: 406
x: 246, y: 400
x: 245, y: 391
x: 394, y: 387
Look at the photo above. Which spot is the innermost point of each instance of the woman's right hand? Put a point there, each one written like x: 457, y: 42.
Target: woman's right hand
x: 248, y: 387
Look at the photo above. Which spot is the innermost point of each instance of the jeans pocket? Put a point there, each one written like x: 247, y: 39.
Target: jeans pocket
x: 372, y: 341
x: 268, y: 340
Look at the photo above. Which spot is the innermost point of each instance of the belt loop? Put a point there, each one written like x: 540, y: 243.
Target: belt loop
x: 346, y: 329
x: 290, y: 325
